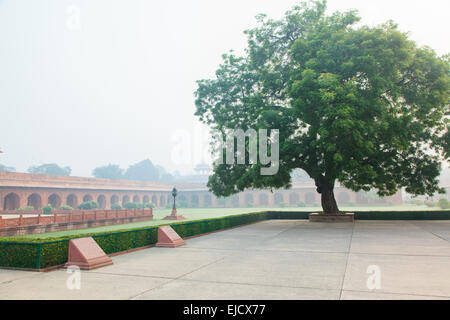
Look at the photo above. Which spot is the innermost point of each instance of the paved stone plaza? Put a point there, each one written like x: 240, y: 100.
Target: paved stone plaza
x: 280, y: 260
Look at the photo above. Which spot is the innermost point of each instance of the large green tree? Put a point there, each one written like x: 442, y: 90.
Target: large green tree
x: 361, y: 105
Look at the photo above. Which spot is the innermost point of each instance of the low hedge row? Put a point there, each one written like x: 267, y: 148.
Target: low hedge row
x: 40, y: 253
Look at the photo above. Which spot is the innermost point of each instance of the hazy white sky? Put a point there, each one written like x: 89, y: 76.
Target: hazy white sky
x: 116, y: 87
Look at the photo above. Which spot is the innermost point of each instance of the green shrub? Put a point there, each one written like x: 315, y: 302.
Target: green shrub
x: 88, y: 205
x: 29, y: 208
x: 66, y: 208
x: 301, y: 205
x: 116, y: 206
x: 149, y: 205
x: 47, y: 209
x: 133, y: 205
x: 282, y: 205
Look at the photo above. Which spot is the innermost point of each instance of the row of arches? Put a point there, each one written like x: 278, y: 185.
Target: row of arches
x: 292, y: 198
x: 12, y: 200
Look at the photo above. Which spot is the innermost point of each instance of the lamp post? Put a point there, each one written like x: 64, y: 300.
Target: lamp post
x: 174, y: 194
x: 174, y: 215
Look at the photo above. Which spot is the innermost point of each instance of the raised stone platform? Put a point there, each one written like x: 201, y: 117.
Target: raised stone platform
x: 167, y: 237
x: 86, y: 254
x: 319, y: 217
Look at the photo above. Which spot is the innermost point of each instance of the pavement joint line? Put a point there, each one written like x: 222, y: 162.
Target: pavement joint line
x: 346, y: 263
x: 278, y: 250
x: 174, y: 279
x: 259, y: 284
x: 434, y: 234
x: 399, y: 254
x: 130, y: 275
x: 396, y: 293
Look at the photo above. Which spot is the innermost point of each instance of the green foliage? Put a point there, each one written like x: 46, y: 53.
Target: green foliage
x: 133, y: 205
x: 19, y: 255
x: 354, y: 104
x: 6, y: 169
x: 149, y: 205
x: 50, y: 168
x: 29, y: 208
x: 65, y: 207
x: 88, y: 205
x: 54, y: 254
x: 47, y: 209
x: 111, y: 171
x: 116, y: 206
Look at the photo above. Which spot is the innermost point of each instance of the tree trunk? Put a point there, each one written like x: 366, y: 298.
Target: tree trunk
x: 326, y: 189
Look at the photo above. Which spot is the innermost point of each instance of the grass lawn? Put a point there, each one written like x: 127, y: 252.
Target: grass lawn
x: 204, y: 213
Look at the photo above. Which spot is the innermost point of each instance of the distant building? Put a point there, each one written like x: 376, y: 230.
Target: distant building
x: 18, y: 190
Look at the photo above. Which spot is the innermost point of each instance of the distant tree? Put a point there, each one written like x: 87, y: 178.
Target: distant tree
x: 143, y: 171
x: 111, y: 171
x: 50, y: 168
x: 6, y: 169
x: 359, y: 105
x: 88, y: 205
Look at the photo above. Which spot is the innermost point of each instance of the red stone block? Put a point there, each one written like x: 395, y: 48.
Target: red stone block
x: 86, y: 254
x: 167, y: 237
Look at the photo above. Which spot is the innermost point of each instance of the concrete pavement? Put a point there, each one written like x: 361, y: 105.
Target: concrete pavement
x: 278, y: 259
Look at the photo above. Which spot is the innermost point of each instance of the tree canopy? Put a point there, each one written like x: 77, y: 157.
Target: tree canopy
x: 50, y: 168
x: 111, y: 171
x: 364, y: 106
x: 4, y: 168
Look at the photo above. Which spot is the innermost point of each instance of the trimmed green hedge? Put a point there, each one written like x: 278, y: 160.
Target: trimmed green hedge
x: 41, y: 253
x: 18, y: 252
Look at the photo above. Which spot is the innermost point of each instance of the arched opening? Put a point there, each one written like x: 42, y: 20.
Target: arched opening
x: 278, y: 198
x: 310, y: 198
x: 55, y: 201
x: 194, y: 201
x: 125, y: 199
x: 294, y: 199
x: 12, y: 202
x: 34, y: 201
x: 343, y: 198
x: 207, y: 200
x: 101, y: 200
x: 88, y: 198
x: 249, y: 200
x: 263, y: 200
x: 155, y: 200
x: 146, y: 199
x: 114, y: 199
x: 162, y: 201
x: 182, y: 201
x: 72, y: 201
x: 136, y: 199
